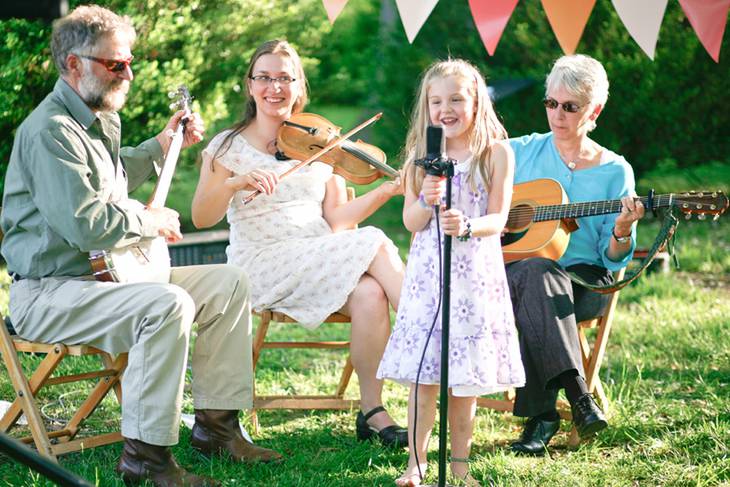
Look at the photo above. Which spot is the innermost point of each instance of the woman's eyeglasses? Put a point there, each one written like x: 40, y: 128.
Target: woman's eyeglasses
x: 111, y: 65
x: 267, y: 80
x: 568, y: 106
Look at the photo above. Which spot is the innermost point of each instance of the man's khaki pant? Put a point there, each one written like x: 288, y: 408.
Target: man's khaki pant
x: 152, y: 322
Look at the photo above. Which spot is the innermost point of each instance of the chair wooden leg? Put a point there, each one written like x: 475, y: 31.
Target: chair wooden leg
x: 260, y: 337
x: 98, y: 393
x: 344, y: 378
x: 25, y: 396
x: 108, y: 362
x: 255, y: 421
x: 258, y: 344
x: 573, y: 438
x: 36, y: 382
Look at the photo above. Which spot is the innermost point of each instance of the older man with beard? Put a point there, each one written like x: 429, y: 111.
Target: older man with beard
x: 65, y: 195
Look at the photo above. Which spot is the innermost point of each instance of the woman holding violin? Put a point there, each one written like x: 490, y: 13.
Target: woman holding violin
x: 295, y: 240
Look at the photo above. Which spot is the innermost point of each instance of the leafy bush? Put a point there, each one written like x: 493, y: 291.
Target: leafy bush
x: 670, y: 109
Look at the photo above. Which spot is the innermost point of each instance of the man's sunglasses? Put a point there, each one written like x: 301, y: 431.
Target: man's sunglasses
x: 568, y: 106
x: 111, y: 65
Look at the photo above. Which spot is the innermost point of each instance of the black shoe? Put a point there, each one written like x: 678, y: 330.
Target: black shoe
x: 536, y: 436
x: 587, y: 416
x: 392, y: 436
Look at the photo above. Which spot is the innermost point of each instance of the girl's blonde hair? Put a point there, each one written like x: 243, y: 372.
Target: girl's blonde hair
x: 485, y: 129
x: 280, y: 48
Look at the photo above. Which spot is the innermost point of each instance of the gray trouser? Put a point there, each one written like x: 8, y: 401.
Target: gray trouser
x: 152, y: 322
x: 547, y: 305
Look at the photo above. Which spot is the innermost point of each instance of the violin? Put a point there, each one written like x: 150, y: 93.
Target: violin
x: 305, y: 134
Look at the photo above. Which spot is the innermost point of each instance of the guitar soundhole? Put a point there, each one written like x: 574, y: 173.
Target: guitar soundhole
x: 520, y: 217
x: 518, y: 222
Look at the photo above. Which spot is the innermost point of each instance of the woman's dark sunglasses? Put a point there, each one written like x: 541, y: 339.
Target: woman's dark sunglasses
x: 111, y: 65
x: 568, y: 106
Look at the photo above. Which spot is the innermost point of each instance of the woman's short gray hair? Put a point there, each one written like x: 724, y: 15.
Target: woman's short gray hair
x: 581, y: 76
x: 80, y: 30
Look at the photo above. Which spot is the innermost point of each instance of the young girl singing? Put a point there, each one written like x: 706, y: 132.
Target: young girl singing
x: 484, y: 355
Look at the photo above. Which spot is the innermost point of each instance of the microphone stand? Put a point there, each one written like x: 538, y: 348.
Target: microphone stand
x: 445, y: 315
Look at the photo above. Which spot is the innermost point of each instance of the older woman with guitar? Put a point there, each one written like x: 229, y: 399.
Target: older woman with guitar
x: 546, y: 302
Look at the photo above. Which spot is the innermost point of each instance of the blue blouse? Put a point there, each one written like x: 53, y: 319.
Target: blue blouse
x: 537, y: 157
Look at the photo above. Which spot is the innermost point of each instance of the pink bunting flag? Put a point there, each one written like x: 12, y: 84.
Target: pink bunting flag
x: 708, y: 19
x: 413, y: 14
x: 334, y: 8
x: 491, y: 17
x: 643, y: 20
x: 568, y: 18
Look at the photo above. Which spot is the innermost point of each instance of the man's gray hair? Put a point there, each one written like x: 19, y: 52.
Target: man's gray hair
x: 81, y: 29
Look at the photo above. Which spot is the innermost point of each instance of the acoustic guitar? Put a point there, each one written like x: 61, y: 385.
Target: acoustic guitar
x: 541, y: 217
x: 149, y: 259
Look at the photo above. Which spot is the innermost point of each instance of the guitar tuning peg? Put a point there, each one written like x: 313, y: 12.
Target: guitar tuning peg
x: 701, y: 216
x: 688, y: 216
x: 171, y: 94
x: 716, y: 217
x: 174, y: 106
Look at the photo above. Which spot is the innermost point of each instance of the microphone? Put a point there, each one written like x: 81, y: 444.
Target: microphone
x: 435, y: 163
x: 434, y: 142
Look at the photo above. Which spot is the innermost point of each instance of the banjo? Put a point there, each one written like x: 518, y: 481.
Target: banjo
x: 149, y: 259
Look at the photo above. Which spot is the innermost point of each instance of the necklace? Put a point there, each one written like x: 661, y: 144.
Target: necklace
x: 571, y: 165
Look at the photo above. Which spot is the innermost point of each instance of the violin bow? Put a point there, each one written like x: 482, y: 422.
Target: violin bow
x: 331, y: 145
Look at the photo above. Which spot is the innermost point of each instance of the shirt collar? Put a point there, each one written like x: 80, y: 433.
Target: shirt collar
x: 75, y: 105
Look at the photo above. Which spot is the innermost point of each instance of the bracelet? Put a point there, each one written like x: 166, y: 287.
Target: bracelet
x: 422, y: 202
x: 467, y: 234
x: 620, y: 240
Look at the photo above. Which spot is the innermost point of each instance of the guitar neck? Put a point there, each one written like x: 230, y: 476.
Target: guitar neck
x: 593, y: 208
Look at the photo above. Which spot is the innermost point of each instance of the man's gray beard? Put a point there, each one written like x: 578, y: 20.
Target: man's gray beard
x: 99, y: 96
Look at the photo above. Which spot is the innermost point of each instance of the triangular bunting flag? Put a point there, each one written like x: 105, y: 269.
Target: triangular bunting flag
x: 333, y: 8
x: 708, y: 19
x: 568, y: 18
x: 413, y: 14
x: 643, y: 20
x: 491, y: 16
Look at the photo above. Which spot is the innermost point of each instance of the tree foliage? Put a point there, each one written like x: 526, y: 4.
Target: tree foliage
x: 669, y: 111
x: 672, y: 108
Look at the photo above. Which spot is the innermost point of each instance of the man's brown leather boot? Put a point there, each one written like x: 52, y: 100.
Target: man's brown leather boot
x: 141, y: 461
x: 218, y: 432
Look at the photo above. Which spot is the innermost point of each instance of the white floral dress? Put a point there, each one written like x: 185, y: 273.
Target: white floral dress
x: 484, y: 353
x: 295, y: 263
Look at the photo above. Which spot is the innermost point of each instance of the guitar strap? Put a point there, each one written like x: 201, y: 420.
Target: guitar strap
x: 664, y: 237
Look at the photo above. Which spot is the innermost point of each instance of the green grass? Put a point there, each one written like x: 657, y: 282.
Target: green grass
x: 666, y: 372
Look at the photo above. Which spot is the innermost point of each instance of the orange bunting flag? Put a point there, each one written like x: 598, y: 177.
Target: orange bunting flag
x: 333, y: 8
x: 568, y: 18
x: 708, y: 19
x: 491, y: 17
x: 413, y: 14
x: 643, y: 20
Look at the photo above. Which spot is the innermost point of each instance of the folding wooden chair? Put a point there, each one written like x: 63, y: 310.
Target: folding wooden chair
x: 64, y: 440
x: 592, y: 354
x: 300, y: 401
